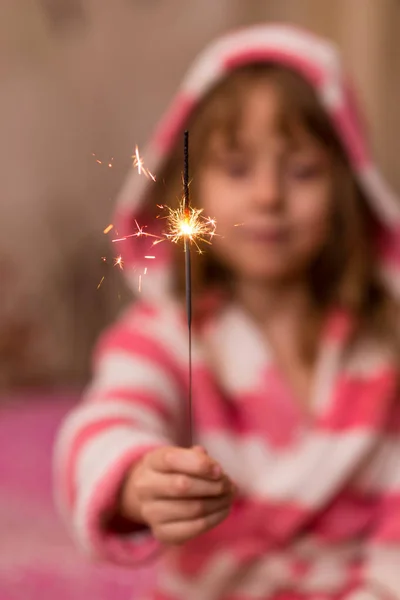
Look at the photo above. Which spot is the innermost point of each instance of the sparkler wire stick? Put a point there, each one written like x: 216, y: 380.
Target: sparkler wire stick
x: 188, y: 282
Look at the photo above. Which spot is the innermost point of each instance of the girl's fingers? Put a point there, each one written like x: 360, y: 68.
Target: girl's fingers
x: 170, y: 511
x: 179, y: 532
x: 193, y: 461
x: 160, y: 486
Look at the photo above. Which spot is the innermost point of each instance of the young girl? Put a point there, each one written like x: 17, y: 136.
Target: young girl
x: 292, y: 489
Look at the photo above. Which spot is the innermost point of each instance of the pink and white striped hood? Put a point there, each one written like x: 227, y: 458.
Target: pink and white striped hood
x: 318, y: 61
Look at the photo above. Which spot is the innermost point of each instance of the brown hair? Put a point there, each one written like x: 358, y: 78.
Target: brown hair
x: 346, y: 272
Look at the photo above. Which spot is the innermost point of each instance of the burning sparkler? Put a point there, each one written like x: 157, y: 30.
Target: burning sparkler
x: 183, y: 226
x: 188, y: 224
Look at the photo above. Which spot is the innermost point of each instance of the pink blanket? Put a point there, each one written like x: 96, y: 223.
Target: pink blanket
x: 37, y: 559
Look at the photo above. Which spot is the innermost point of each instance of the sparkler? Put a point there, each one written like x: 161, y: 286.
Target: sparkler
x: 186, y: 224
x: 186, y: 229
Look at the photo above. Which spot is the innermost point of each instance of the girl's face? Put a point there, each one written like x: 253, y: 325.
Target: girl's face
x: 270, y: 196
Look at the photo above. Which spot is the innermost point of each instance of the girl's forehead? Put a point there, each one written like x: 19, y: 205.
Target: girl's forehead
x: 261, y: 119
x: 249, y: 110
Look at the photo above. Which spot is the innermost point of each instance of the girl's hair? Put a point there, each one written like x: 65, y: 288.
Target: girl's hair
x: 346, y: 272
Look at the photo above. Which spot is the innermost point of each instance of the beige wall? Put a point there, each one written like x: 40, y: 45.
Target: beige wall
x: 95, y: 81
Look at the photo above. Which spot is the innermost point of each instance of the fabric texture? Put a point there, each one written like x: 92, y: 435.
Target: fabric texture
x: 318, y: 509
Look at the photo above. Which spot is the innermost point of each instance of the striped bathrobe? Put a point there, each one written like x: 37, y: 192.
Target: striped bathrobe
x: 317, y: 514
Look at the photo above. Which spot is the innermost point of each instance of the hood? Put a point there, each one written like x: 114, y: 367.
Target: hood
x: 318, y: 61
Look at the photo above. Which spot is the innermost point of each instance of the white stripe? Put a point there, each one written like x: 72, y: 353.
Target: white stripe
x: 385, y: 201
x: 154, y: 286
x: 306, y: 473
x: 368, y: 358
x: 382, y: 572
x: 212, y: 582
x: 331, y: 94
x: 98, y: 457
x: 265, y: 577
x: 118, y: 370
x: 240, y: 458
x: 382, y: 473
x: 325, y: 376
x: 364, y: 594
x: 93, y: 412
x: 311, y: 471
x: 203, y: 75
x: 236, y: 352
x: 208, y: 66
x: 329, y: 573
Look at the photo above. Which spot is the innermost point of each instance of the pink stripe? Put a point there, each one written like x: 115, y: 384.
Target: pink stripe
x: 389, y: 245
x: 138, y: 344
x: 266, y: 523
x: 123, y: 329
x: 360, y: 403
x: 211, y: 409
x: 242, y: 543
x: 393, y: 425
x: 338, y: 326
x: 138, y: 398
x: 270, y: 412
x: 350, y: 515
x: 279, y: 596
x: 389, y: 527
x: 309, y: 70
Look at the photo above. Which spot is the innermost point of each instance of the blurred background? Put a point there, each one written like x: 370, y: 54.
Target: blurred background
x: 81, y: 83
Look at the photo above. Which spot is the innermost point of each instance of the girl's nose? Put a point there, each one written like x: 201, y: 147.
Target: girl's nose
x: 267, y: 190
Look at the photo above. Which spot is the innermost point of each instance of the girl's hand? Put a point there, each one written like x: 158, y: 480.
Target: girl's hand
x: 179, y: 493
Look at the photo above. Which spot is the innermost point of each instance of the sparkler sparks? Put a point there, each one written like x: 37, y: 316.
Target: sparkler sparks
x: 138, y: 164
x: 139, y: 233
x: 108, y: 228
x: 109, y: 163
x: 118, y: 262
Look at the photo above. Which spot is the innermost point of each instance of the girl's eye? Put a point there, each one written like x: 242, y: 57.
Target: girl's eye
x: 304, y: 172
x: 235, y: 167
